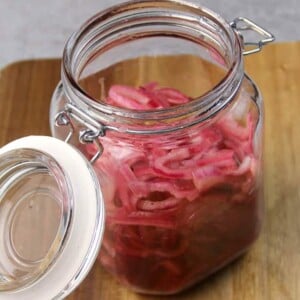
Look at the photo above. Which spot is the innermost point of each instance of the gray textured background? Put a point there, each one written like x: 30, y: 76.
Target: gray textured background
x: 39, y: 28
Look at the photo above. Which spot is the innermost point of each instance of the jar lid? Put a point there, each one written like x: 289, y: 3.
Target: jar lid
x: 51, y: 218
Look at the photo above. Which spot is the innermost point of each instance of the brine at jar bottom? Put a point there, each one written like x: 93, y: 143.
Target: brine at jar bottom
x: 210, y: 232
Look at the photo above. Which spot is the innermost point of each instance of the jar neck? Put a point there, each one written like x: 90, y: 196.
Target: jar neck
x: 139, y: 19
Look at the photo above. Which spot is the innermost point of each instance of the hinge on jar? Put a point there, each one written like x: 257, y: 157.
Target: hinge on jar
x: 242, y: 24
x: 91, y: 134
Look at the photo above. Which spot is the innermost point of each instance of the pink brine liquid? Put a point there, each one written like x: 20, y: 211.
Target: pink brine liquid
x: 180, y: 206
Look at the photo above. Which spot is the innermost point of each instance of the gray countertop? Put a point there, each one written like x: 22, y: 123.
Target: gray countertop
x: 39, y: 28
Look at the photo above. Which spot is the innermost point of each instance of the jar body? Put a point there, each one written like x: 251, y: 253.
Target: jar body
x: 180, y: 206
x: 182, y: 182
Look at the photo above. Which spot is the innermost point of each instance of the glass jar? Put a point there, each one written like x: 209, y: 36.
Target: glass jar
x: 160, y: 86
x: 154, y: 95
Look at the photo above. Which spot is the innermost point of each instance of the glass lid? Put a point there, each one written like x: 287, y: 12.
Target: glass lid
x: 51, y: 218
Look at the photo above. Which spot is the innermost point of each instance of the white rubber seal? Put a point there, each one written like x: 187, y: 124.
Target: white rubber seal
x: 86, y: 229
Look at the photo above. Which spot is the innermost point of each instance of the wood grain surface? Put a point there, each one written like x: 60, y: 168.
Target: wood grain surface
x: 271, y: 269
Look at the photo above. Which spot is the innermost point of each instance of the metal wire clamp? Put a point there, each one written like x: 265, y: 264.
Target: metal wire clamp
x: 242, y: 24
x: 91, y: 134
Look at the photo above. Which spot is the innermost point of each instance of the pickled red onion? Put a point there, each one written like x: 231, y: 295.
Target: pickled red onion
x: 154, y: 185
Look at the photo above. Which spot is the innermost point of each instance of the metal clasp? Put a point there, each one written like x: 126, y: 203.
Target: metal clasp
x: 242, y: 24
x: 91, y: 134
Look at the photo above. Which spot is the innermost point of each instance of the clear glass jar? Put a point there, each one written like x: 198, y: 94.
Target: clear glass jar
x: 154, y: 93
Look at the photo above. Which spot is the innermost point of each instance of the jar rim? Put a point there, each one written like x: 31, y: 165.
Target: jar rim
x: 206, y: 105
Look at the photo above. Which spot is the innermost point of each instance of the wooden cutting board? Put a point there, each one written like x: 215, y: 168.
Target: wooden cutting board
x: 271, y: 269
